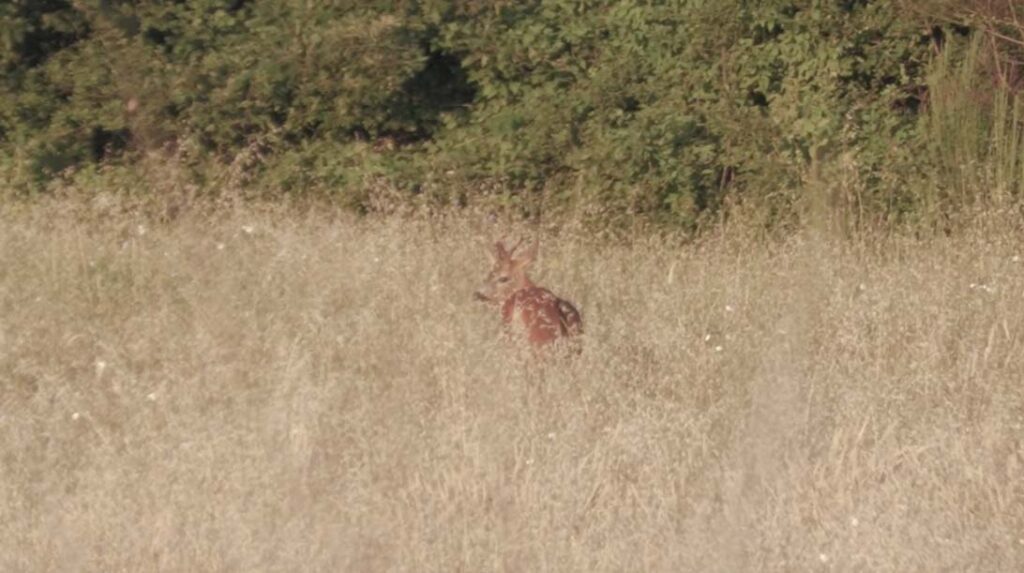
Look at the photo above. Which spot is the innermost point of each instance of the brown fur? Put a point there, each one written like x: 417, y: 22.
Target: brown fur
x: 535, y: 311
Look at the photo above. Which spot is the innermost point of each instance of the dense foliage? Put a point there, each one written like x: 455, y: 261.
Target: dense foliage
x: 666, y: 109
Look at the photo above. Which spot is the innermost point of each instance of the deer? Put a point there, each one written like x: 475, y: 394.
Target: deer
x: 535, y: 312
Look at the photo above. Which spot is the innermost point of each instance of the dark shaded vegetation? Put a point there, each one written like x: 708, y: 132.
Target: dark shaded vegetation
x: 671, y: 111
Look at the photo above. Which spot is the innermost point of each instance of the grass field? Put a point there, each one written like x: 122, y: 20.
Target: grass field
x: 259, y: 391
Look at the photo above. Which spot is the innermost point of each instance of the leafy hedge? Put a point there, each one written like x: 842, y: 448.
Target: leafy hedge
x: 665, y: 109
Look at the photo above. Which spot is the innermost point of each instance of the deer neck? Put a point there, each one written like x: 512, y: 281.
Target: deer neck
x: 524, y: 283
x: 521, y: 284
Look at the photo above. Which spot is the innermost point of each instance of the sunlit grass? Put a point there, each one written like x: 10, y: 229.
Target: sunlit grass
x: 259, y: 391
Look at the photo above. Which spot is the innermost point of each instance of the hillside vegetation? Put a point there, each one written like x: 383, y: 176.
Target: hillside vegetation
x: 671, y: 112
x: 239, y: 241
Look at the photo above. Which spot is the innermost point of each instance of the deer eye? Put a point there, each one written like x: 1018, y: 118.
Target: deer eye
x: 503, y: 279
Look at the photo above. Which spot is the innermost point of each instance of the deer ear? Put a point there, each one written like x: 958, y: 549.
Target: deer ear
x: 529, y: 254
x: 498, y: 253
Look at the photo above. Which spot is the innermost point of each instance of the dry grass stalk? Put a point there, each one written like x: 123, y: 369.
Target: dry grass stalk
x: 253, y: 391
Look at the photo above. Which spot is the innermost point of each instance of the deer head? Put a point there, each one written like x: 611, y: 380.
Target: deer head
x: 508, y: 273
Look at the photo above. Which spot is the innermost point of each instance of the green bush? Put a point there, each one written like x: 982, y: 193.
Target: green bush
x: 663, y: 110
x: 667, y: 107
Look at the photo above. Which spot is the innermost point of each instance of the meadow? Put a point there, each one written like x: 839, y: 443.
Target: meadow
x: 257, y: 389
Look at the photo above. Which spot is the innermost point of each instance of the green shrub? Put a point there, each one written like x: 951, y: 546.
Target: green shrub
x: 664, y: 110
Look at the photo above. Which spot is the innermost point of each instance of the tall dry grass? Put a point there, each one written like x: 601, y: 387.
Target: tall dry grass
x: 256, y: 391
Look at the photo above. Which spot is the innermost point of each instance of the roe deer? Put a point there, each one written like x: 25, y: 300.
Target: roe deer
x: 542, y: 316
